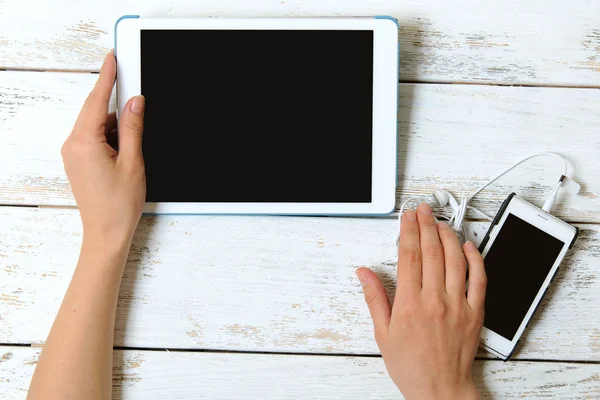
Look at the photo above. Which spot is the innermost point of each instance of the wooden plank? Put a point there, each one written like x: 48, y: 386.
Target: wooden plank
x: 499, y: 42
x: 280, y: 284
x: 450, y: 136
x: 37, y: 113
x: 192, y: 375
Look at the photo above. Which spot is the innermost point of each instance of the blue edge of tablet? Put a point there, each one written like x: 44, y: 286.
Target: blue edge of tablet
x: 316, y: 215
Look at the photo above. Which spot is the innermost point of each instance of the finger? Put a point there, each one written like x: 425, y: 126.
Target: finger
x: 131, y: 129
x: 477, y: 277
x: 100, y: 94
x: 111, y: 123
x: 409, y: 254
x: 94, y: 111
x: 377, y: 301
x: 456, y: 266
x: 431, y: 249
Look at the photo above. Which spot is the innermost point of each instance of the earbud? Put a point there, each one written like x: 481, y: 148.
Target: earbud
x: 443, y: 198
x: 569, y: 185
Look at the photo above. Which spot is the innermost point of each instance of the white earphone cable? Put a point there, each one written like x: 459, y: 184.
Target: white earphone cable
x: 459, y: 213
x: 481, y: 213
x: 507, y: 170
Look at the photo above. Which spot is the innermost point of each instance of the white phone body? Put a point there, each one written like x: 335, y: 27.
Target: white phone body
x: 490, y: 340
x: 385, y: 97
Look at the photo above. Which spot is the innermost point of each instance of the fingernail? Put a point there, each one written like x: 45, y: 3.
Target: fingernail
x: 469, y: 246
x: 424, y: 209
x: 362, y: 277
x: 137, y: 104
x: 443, y: 225
x: 411, y: 215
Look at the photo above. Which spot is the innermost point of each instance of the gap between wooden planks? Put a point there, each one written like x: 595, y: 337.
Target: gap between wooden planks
x: 206, y: 375
x: 450, y: 136
x: 258, y: 284
x: 507, y: 41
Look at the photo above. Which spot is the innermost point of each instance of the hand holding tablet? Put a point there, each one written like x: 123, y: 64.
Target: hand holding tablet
x: 264, y: 116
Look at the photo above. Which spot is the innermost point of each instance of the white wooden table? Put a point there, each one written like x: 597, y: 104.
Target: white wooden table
x: 269, y: 308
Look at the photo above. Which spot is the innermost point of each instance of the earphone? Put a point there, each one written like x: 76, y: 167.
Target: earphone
x: 444, y: 198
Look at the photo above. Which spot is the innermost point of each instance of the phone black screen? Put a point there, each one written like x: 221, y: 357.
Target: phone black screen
x: 516, y: 265
x: 258, y: 115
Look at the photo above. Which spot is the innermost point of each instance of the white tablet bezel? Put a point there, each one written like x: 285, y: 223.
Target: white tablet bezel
x: 490, y: 340
x: 385, y: 96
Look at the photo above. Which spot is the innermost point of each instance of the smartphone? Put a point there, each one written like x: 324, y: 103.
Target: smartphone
x: 522, y: 251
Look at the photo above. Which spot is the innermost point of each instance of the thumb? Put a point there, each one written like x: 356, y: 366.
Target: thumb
x: 131, y: 128
x: 377, y: 300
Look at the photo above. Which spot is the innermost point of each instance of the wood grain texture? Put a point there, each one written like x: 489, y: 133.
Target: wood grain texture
x: 450, y: 136
x: 279, y: 284
x: 189, y: 375
x: 533, y: 42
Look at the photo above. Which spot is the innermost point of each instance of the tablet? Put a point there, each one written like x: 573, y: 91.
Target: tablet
x: 264, y: 115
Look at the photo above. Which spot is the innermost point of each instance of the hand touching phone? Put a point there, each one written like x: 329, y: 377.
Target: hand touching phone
x: 429, y: 338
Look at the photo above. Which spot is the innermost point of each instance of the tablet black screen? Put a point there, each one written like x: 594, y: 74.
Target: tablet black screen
x: 258, y: 116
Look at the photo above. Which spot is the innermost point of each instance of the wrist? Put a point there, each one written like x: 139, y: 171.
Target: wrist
x: 113, y: 237
x: 468, y: 392
x: 109, y: 248
x: 464, y: 391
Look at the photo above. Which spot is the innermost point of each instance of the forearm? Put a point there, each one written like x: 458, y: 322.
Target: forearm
x: 464, y: 392
x: 76, y: 361
x: 460, y: 391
